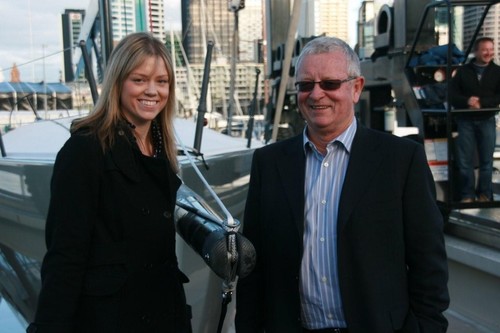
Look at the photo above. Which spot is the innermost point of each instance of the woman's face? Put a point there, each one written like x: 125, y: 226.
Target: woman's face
x: 145, y: 92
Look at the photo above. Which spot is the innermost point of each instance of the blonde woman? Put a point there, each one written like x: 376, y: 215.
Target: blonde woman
x: 111, y: 264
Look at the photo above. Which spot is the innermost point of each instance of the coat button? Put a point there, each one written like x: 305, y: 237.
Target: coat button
x: 121, y: 132
x: 148, y: 266
x: 145, y: 211
x: 146, y: 319
x: 167, y: 214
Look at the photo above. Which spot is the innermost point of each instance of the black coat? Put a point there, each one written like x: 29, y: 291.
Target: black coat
x: 111, y: 264
x: 391, y: 255
x: 465, y: 84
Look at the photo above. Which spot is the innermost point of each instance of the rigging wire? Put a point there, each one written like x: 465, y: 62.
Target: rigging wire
x: 38, y: 59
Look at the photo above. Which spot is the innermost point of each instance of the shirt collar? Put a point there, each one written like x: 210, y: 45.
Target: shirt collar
x: 345, y: 138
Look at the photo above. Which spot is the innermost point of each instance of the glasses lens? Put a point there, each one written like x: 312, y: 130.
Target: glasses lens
x: 305, y: 85
x: 330, y: 84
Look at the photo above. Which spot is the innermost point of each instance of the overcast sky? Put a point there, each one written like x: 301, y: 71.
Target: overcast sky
x: 31, y: 28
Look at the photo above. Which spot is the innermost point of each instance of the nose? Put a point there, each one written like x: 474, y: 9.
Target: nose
x: 151, y: 89
x: 316, y: 91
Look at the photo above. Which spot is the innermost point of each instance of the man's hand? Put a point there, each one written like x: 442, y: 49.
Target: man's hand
x: 473, y: 102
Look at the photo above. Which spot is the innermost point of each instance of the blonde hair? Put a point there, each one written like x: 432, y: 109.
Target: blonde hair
x: 130, y: 53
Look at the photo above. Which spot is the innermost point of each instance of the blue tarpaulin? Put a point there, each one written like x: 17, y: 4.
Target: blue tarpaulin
x: 32, y: 96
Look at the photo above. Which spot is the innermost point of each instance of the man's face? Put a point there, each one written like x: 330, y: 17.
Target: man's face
x: 327, y: 112
x: 485, y: 52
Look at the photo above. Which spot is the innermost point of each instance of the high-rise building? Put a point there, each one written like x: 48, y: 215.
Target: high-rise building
x: 202, y: 21
x: 127, y: 16
x: 366, y: 29
x: 138, y: 15
x: 328, y: 17
x: 155, y: 17
x: 490, y: 27
x: 72, y: 20
x: 250, y: 30
x: 124, y: 22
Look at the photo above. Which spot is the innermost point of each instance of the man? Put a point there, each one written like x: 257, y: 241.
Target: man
x: 343, y: 218
x: 476, y: 85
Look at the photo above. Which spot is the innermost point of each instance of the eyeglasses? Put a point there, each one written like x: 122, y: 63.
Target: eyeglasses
x: 328, y: 85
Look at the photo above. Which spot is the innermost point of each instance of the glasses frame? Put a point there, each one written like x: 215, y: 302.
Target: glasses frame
x: 336, y: 84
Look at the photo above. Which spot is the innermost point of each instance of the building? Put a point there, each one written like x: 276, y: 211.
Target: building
x: 203, y: 21
x: 490, y: 28
x: 124, y: 19
x: 128, y: 16
x: 251, y: 31
x: 366, y: 26
x: 72, y: 21
x: 328, y: 17
x: 138, y: 15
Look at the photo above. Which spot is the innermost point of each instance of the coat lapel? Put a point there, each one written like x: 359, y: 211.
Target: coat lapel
x: 123, y: 156
x: 363, y: 163
x: 291, y: 171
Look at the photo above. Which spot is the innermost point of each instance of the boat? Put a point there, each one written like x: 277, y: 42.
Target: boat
x: 25, y: 173
x: 214, y: 167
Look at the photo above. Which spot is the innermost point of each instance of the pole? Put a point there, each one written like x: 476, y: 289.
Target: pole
x: 88, y: 71
x: 234, y: 52
x: 252, y: 109
x: 202, y: 107
x: 44, y: 83
x: 285, y: 70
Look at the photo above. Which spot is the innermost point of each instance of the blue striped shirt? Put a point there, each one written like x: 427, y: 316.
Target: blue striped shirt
x: 321, y: 301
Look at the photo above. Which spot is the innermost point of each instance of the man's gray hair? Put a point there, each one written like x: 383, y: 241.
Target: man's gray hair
x: 328, y: 44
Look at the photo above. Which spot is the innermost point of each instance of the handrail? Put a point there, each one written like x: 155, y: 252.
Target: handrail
x: 468, y: 110
x: 449, y: 3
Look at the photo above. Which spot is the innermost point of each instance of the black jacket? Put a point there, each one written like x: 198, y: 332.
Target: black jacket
x: 111, y: 263
x: 391, y: 254
x: 465, y: 84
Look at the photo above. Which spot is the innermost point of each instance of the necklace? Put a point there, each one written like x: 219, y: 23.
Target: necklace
x: 155, y: 148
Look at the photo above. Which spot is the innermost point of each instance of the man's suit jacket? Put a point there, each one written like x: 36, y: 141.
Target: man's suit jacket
x: 392, y: 260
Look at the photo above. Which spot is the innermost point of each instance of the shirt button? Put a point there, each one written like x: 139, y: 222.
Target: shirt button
x: 322, y: 239
x: 323, y: 279
x: 145, y: 211
x: 148, y: 266
x: 167, y: 214
x: 326, y: 164
x: 323, y: 202
x: 330, y: 316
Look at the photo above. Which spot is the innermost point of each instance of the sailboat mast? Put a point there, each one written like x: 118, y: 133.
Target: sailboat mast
x: 106, y: 31
x: 235, y: 6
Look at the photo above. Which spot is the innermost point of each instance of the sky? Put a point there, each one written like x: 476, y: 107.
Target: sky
x: 30, y: 29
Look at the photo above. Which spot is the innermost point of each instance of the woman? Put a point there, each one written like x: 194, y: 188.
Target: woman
x: 111, y: 263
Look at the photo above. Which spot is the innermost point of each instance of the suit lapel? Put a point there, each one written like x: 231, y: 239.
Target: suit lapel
x: 291, y: 171
x: 364, y: 161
